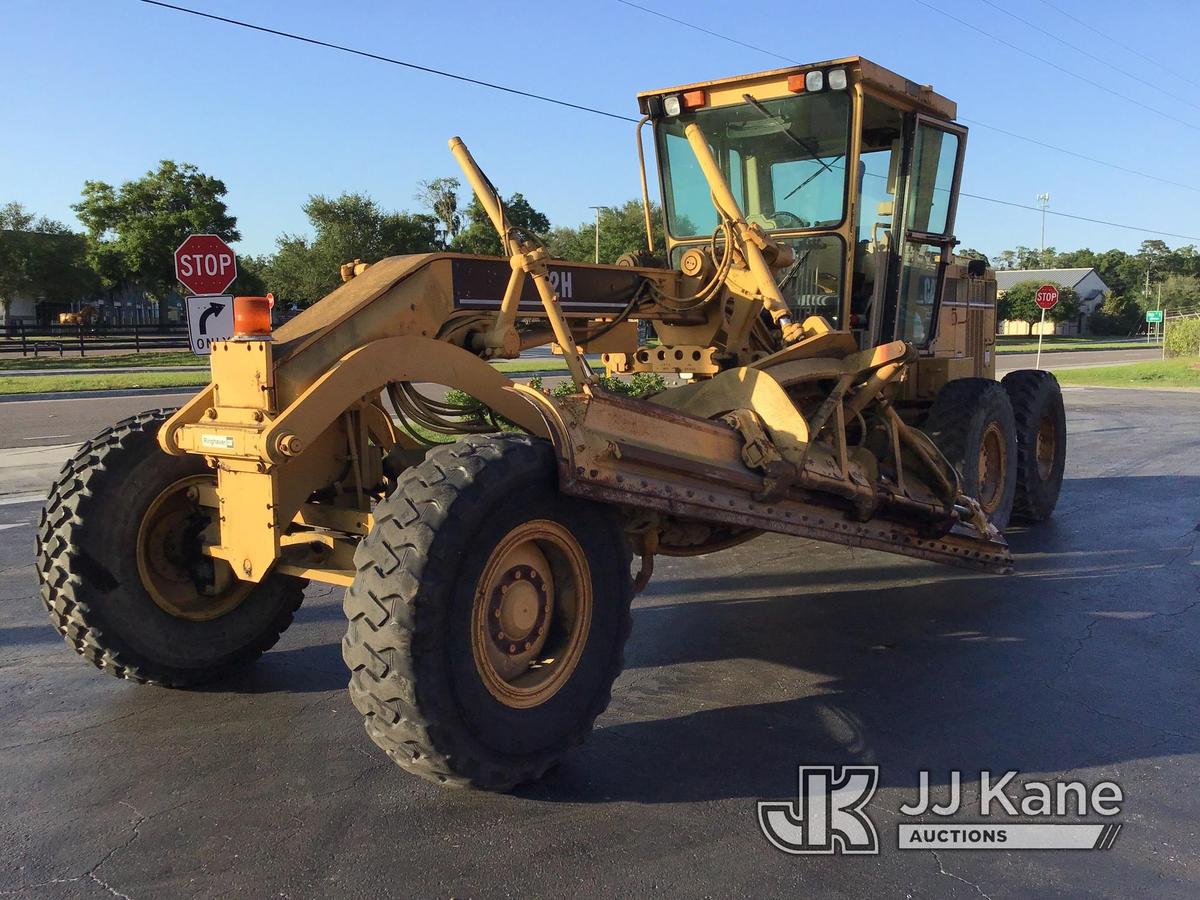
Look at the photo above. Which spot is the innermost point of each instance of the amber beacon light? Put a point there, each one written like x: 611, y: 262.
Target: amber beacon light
x: 252, y: 317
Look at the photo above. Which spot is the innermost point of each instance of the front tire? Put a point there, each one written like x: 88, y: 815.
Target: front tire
x: 1041, y: 442
x: 972, y: 423
x: 488, y: 615
x: 121, y: 571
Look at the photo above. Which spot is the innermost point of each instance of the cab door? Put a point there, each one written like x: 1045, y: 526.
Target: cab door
x: 933, y: 170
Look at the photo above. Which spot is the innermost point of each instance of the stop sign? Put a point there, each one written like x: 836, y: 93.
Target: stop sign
x: 1047, y: 296
x: 204, y: 264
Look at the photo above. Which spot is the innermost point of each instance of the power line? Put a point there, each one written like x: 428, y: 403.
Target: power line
x: 1063, y: 215
x: 1157, y: 62
x: 724, y: 37
x: 387, y: 59
x: 1012, y: 134
x: 1020, y: 137
x: 1056, y: 66
x: 1088, y: 53
x: 576, y: 106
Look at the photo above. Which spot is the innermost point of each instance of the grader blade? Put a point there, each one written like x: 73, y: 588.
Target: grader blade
x: 640, y: 455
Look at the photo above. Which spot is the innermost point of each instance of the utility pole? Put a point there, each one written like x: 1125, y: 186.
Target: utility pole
x: 1162, y: 325
x: 597, y: 209
x: 1043, y: 201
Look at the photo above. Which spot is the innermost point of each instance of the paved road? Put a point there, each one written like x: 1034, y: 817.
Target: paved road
x: 742, y: 665
x: 63, y: 421
x: 1069, y: 359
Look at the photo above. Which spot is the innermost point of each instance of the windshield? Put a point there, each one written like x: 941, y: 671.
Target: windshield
x: 784, y: 160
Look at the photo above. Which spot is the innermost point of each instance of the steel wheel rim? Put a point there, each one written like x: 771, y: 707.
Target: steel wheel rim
x: 1045, y: 447
x: 167, y: 545
x: 993, y: 462
x: 531, y: 614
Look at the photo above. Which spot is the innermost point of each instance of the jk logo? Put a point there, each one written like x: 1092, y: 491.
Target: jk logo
x: 828, y: 816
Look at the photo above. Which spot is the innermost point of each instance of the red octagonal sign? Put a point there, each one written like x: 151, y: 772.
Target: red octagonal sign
x: 1047, y: 296
x: 204, y: 264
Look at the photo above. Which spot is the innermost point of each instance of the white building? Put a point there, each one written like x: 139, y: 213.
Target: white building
x: 1087, y: 283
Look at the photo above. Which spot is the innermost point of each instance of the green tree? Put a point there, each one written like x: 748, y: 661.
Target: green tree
x: 1182, y: 337
x: 622, y: 230
x: 440, y: 196
x: 972, y: 253
x: 345, y: 228
x: 41, y: 258
x: 133, y: 230
x: 479, y: 236
x: 1180, y: 293
x: 252, y: 276
x: 1118, y: 315
x: 1018, y: 304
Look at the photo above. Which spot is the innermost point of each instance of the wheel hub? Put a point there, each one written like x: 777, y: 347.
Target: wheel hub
x: 520, y: 608
x: 532, y: 613
x: 1045, y: 447
x: 992, y: 466
x: 179, y: 577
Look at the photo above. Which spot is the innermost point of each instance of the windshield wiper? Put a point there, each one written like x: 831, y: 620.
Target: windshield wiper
x: 795, y: 139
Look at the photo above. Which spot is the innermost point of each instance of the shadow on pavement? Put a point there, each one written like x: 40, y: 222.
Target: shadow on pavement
x: 937, y: 670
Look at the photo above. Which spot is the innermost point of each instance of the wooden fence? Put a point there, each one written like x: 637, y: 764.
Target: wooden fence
x: 33, y: 340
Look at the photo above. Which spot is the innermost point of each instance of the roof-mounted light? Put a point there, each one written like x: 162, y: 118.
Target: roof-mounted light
x: 837, y: 79
x: 814, y: 80
x: 671, y: 105
x: 694, y: 99
x: 796, y: 84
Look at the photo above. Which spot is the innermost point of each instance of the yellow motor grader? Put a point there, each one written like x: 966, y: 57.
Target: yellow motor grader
x: 833, y: 367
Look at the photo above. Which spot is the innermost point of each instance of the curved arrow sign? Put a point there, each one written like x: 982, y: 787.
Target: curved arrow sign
x: 209, y: 319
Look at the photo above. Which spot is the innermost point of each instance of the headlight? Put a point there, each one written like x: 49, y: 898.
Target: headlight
x: 671, y: 105
x: 814, y: 81
x: 837, y: 80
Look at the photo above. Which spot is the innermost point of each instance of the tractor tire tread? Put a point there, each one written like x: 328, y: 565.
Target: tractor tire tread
x: 398, y: 571
x: 58, y: 556
x: 952, y: 409
x: 1026, y: 389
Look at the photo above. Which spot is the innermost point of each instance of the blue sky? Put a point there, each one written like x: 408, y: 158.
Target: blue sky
x: 104, y: 89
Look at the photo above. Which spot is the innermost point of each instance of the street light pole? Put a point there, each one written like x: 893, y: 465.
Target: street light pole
x: 597, y: 209
x: 1043, y: 201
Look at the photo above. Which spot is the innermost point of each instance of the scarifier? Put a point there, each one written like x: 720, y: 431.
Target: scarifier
x: 833, y: 371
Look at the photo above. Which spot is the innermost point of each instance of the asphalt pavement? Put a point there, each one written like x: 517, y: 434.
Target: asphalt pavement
x: 72, y: 419
x: 742, y: 666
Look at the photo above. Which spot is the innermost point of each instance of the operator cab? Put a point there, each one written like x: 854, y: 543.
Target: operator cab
x: 854, y: 167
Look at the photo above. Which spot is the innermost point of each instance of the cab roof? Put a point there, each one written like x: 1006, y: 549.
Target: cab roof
x: 774, y: 83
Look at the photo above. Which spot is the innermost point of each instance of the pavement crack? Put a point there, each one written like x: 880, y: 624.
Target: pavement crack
x: 942, y: 871
x: 1180, y: 612
x: 1107, y: 715
x: 67, y: 734
x: 90, y: 874
x: 1087, y: 636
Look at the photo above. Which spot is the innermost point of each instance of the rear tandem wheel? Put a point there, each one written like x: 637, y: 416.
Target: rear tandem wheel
x: 1041, y: 442
x: 972, y: 424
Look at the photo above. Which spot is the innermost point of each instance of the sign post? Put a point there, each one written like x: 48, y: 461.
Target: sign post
x: 206, y: 266
x: 1046, y: 298
x: 1155, y: 317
